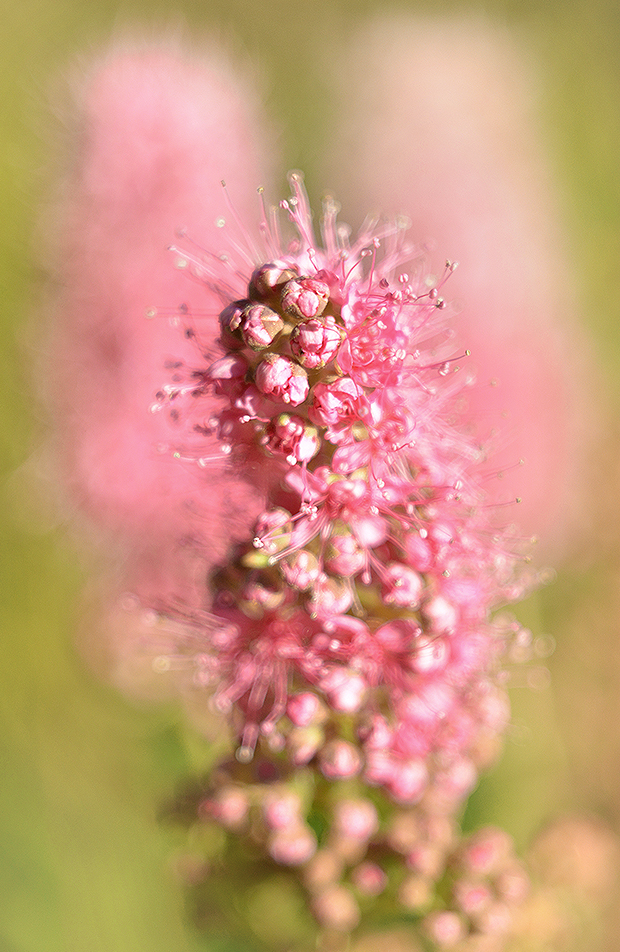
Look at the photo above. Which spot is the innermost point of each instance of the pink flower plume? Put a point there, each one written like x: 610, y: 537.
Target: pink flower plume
x: 444, y: 120
x: 276, y: 417
x: 157, y: 133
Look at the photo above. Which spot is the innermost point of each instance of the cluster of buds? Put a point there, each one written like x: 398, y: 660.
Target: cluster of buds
x: 356, y: 855
x: 350, y: 643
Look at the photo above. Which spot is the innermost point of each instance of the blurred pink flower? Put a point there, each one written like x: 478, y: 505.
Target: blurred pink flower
x: 157, y: 128
x: 444, y: 125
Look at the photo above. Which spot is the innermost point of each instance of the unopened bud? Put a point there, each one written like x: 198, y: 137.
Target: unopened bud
x: 261, y: 592
x: 346, y: 690
x: 305, y: 298
x: 445, y: 928
x: 401, y: 586
x: 268, y: 280
x: 329, y: 597
x: 229, y: 807
x: 303, y: 743
x: 282, y: 810
x: 304, y: 709
x: 230, y: 324
x: 292, y: 847
x: 273, y: 530
x: 369, y: 878
x: 356, y: 818
x: 314, y: 343
x: 260, y: 326
x: 340, y: 760
x: 280, y: 378
x: 336, y: 908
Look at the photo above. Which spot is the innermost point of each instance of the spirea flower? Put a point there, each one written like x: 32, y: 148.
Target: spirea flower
x: 351, y: 638
x: 314, y: 540
x: 371, y: 575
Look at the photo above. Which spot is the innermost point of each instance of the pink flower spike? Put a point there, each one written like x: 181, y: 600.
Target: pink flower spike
x: 342, y: 614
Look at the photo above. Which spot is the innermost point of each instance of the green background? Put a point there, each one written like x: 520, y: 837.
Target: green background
x: 84, y: 865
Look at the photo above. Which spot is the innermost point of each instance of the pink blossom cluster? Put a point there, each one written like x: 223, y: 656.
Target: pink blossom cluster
x: 308, y: 513
x: 350, y: 639
x: 366, y: 587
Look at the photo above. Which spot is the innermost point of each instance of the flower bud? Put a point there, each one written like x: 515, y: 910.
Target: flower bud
x: 282, y: 810
x: 304, y: 709
x: 346, y: 691
x: 304, y: 298
x: 441, y: 614
x: 261, y: 593
x: 486, y: 852
x: 229, y: 806
x: 472, y: 897
x: 401, y: 586
x: 267, y: 281
x: 431, y: 654
x: 281, y: 379
x: 329, y: 597
x: 292, y: 847
x: 314, y: 343
x: 356, y: 818
x: 228, y: 374
x: 260, y: 326
x: 416, y: 893
x: 336, y: 406
x: 303, y: 743
x: 419, y: 552
x: 408, y: 781
x: 369, y: 878
x: 325, y: 869
x: 336, y: 909
x: 230, y: 325
x: 339, y: 759
x: 445, y: 928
